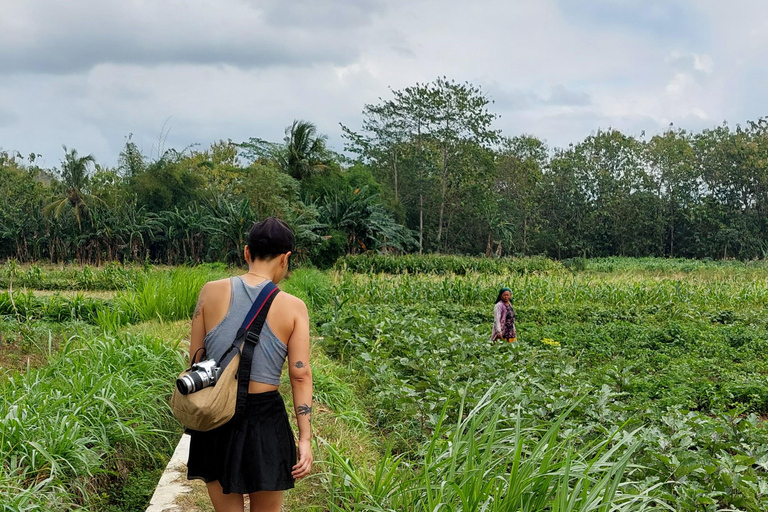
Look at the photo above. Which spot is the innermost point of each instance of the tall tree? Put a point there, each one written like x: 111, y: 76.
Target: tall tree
x: 620, y: 193
x: 518, y: 181
x: 302, y: 153
x: 305, y: 151
x: 130, y: 162
x: 439, y: 127
x: 670, y: 158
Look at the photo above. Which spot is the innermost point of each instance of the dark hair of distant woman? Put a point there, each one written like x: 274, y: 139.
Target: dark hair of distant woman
x: 504, y: 317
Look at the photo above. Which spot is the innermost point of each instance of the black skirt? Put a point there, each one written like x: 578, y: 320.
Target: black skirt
x: 254, y: 453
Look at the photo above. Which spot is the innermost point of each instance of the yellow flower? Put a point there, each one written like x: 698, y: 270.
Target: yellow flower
x: 550, y: 342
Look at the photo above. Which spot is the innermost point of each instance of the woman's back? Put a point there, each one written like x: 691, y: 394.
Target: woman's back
x: 226, y: 302
x: 269, y: 354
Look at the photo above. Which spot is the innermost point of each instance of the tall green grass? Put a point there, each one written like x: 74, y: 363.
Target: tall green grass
x: 462, y: 265
x: 168, y: 295
x: 97, y: 410
x: 312, y: 286
x: 731, y: 291
x: 112, y: 276
x: 495, y: 458
x: 668, y: 265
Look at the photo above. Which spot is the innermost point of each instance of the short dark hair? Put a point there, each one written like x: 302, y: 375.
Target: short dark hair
x: 270, y: 238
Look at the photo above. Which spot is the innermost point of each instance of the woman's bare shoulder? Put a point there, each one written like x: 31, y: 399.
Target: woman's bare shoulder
x: 215, y: 288
x: 292, y: 302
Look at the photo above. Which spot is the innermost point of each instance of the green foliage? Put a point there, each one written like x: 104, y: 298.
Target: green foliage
x: 444, y: 264
x: 310, y: 285
x: 498, y: 457
x: 166, y: 184
x: 333, y: 247
x: 439, y: 172
x: 165, y: 294
x: 75, y: 177
x: 302, y: 154
x: 367, y: 225
x: 97, y: 404
x: 430, y: 143
x: 674, y: 364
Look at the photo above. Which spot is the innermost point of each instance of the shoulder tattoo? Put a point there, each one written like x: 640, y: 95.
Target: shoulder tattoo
x: 198, y: 308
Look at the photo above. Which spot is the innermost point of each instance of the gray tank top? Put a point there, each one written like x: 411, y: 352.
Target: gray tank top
x: 269, y: 354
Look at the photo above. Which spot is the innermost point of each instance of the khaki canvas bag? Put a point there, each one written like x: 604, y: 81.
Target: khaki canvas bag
x: 216, y: 405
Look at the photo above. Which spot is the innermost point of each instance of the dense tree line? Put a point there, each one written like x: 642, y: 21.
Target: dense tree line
x: 429, y: 174
x: 465, y: 188
x: 192, y: 206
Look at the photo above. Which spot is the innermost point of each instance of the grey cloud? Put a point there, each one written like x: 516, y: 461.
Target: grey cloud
x: 528, y: 100
x: 48, y: 37
x: 8, y: 117
x: 690, y: 62
x: 312, y: 13
x: 561, y: 95
x: 673, y: 19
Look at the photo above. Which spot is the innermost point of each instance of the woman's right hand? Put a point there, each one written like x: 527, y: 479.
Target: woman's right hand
x: 304, y: 466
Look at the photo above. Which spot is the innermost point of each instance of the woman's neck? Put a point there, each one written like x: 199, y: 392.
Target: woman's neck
x: 262, y: 271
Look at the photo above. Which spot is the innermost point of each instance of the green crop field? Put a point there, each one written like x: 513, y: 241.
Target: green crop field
x: 635, y: 384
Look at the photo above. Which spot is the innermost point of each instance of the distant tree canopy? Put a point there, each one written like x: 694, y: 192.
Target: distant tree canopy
x: 429, y: 174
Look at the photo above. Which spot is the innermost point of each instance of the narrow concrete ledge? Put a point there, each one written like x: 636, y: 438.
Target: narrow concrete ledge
x: 173, y: 483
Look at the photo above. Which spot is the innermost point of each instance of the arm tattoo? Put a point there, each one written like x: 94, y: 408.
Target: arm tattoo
x: 198, y: 308
x: 299, y: 364
x: 304, y: 410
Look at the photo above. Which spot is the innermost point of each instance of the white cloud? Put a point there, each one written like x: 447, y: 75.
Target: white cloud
x: 703, y: 63
x: 679, y: 83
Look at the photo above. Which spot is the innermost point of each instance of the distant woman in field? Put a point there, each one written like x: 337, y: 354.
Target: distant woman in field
x: 504, y: 317
x: 257, y: 454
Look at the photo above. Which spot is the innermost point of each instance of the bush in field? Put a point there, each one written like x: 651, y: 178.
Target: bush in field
x: 111, y: 276
x: 167, y: 295
x: 54, y: 308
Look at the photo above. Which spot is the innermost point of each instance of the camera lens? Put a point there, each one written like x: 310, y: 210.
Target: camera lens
x: 194, y: 381
x: 183, y: 384
x: 199, y: 380
x: 186, y: 384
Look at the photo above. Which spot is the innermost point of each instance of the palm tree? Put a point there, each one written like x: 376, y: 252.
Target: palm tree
x: 74, y: 174
x: 304, y: 151
x: 367, y: 224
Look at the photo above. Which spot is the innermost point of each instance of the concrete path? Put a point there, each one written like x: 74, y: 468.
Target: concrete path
x: 174, y: 482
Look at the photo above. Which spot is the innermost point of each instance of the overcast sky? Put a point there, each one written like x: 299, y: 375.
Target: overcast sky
x: 86, y: 73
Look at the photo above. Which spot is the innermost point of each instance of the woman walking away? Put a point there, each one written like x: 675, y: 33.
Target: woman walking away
x: 255, y: 454
x: 504, y: 317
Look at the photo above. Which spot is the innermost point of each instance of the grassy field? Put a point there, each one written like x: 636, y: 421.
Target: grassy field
x: 635, y: 384
x: 662, y: 361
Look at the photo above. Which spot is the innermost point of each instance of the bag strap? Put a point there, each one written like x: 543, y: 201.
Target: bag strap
x: 249, y: 332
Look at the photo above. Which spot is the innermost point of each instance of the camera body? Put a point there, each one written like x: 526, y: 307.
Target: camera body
x: 201, y: 375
